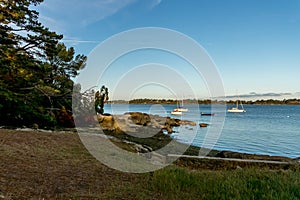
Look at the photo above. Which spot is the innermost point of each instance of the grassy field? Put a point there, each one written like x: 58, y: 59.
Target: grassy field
x: 179, y: 183
x: 55, y: 165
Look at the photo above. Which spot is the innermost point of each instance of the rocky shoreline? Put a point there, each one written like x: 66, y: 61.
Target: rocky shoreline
x: 133, y: 121
x: 136, y: 127
x: 143, y: 133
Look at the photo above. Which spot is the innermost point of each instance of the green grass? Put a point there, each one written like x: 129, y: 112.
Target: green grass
x: 180, y: 183
x: 254, y: 181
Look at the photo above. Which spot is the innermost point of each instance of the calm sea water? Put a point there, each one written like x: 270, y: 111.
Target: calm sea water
x: 263, y: 129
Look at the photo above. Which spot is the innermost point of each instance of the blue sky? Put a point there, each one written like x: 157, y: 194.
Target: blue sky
x: 255, y: 44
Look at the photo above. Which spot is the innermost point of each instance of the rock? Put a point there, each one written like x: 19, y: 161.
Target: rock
x: 141, y: 149
x: 172, y: 122
x: 202, y: 125
x: 35, y: 126
x: 231, y: 154
x: 140, y: 118
x: 168, y: 129
x: 107, y: 122
x: 140, y: 122
x: 186, y: 122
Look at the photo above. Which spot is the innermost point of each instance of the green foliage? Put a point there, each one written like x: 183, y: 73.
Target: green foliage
x: 179, y: 183
x: 101, y: 97
x: 36, y: 70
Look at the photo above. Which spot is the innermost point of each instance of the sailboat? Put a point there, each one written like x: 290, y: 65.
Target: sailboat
x: 237, y: 109
x: 179, y: 109
x: 176, y: 112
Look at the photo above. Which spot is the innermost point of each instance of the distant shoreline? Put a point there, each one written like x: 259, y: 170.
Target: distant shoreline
x: 208, y: 101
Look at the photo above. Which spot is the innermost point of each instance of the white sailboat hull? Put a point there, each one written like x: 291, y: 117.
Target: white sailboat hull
x: 176, y: 113
x: 237, y: 109
x: 234, y: 110
x: 182, y: 109
x: 179, y: 109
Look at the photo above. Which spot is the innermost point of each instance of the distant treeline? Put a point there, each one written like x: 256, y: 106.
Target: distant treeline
x: 159, y: 101
x: 208, y: 101
x: 272, y: 102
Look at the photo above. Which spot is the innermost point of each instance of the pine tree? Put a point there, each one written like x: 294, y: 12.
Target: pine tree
x: 36, y: 70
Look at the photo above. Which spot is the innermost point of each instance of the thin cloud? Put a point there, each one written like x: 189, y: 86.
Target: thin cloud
x: 297, y: 94
x: 155, y: 3
x: 77, y: 41
x: 51, y: 24
x: 261, y: 95
x: 78, y: 13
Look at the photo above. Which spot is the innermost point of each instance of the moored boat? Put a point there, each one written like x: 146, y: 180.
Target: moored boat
x: 207, y: 114
x: 202, y: 125
x: 181, y: 109
x: 237, y: 109
x: 176, y: 111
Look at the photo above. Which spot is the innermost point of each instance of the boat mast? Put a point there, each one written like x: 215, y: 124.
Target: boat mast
x: 242, y: 105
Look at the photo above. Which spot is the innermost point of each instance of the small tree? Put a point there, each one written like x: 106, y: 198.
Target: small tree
x: 101, y: 97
